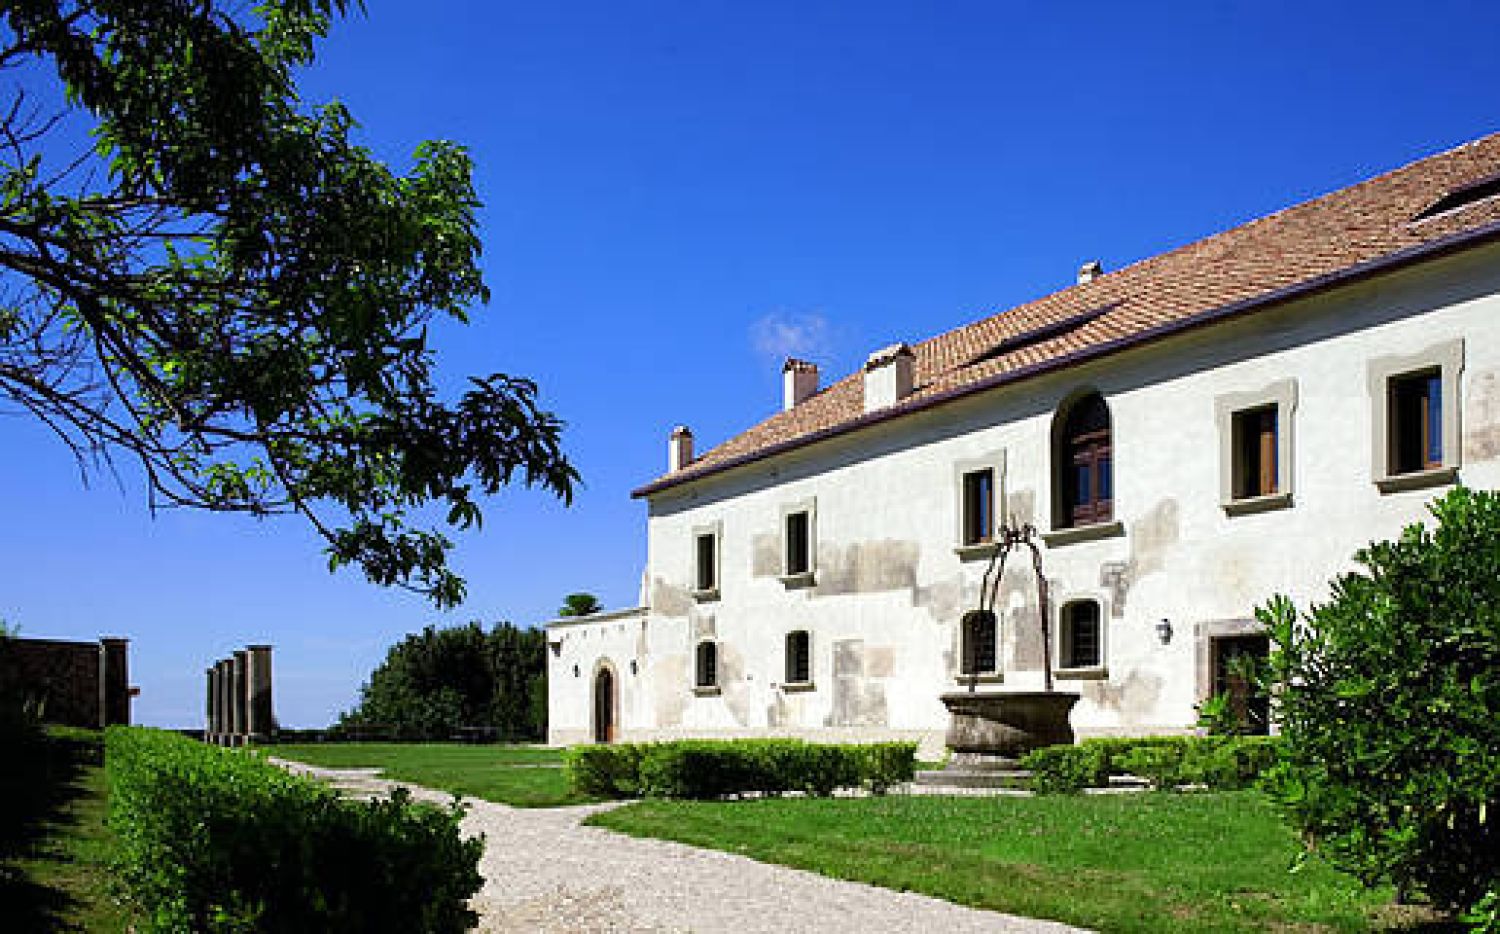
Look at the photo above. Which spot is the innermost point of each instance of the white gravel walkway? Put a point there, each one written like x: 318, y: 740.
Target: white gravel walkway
x: 545, y: 872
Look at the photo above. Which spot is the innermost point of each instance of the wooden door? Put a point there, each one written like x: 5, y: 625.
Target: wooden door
x: 604, y: 706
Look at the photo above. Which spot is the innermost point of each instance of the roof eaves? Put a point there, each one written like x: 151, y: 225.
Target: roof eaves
x: 1389, y: 261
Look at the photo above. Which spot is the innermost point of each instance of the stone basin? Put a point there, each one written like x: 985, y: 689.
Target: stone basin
x: 1007, y: 725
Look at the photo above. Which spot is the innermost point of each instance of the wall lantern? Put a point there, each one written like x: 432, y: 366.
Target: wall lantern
x: 1164, y: 630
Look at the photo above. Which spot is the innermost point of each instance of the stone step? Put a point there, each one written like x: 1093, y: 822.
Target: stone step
x: 1016, y: 779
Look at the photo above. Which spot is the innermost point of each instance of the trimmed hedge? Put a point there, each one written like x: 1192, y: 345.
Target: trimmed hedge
x: 707, y: 769
x: 214, y: 839
x: 1219, y: 762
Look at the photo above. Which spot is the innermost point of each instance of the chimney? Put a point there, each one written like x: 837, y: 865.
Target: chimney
x: 799, y: 379
x: 888, y: 376
x: 1090, y: 271
x: 680, y: 448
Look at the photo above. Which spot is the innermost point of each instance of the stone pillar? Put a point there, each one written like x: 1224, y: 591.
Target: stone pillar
x: 209, y: 727
x: 262, y: 720
x: 237, y: 698
x: 225, y: 681
x: 114, y: 681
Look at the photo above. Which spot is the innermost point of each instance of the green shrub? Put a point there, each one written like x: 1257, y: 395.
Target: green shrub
x: 604, y: 770
x: 1389, y: 704
x: 1066, y: 769
x: 1220, y: 762
x: 707, y: 769
x: 219, y: 840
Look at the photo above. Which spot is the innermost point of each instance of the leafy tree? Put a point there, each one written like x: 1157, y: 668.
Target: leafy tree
x: 228, y: 291
x: 580, y: 604
x: 1389, y: 702
x: 438, y: 680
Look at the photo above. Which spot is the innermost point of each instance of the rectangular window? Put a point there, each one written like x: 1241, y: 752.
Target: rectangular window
x: 1081, y: 635
x: 707, y: 577
x: 798, y: 543
x: 980, y: 638
x: 798, y: 658
x: 1255, y: 452
x: 979, y: 507
x: 1415, y: 410
x: 707, y: 673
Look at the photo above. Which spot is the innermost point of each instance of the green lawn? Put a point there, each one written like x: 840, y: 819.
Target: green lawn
x: 1147, y: 862
x: 523, y: 776
x: 54, y: 846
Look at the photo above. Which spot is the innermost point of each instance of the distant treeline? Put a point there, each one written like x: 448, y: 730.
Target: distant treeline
x: 439, y: 682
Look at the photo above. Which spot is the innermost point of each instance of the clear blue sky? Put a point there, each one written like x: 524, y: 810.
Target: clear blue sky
x: 677, y: 193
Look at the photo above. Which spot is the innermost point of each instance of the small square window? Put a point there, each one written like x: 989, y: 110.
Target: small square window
x: 707, y: 576
x: 1415, y: 411
x: 1080, y: 635
x: 979, y: 507
x: 798, y: 543
x: 1255, y: 452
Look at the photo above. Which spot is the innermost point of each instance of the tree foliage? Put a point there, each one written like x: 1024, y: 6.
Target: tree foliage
x: 580, y: 604
x: 438, y: 680
x: 221, y: 285
x: 1389, y: 702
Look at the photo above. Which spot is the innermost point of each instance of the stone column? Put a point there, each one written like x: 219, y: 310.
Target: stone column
x: 262, y: 720
x: 225, y: 681
x: 114, y: 681
x: 237, y: 698
x: 209, y: 727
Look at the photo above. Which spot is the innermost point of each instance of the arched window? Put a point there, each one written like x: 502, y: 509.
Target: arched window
x: 1083, y: 469
x: 977, y: 654
x: 1081, y: 646
x: 706, y: 673
x: 798, y: 657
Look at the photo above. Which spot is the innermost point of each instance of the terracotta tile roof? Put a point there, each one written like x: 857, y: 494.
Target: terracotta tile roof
x: 1319, y: 243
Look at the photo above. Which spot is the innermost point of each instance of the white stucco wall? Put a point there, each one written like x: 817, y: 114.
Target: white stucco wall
x: 890, y: 587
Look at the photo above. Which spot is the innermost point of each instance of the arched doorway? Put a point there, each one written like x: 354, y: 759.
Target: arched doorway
x: 604, y: 706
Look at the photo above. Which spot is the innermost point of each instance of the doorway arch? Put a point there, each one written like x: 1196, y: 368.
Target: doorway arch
x: 606, y: 705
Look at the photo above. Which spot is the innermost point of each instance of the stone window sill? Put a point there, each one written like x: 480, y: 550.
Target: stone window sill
x: 979, y: 551
x: 706, y: 596
x: 987, y: 677
x: 798, y: 580
x: 1083, y: 533
x: 798, y: 687
x: 1254, y: 504
x: 1417, y: 479
x: 1091, y: 673
x: 707, y: 690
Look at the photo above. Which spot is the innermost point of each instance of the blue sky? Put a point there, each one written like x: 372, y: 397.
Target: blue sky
x: 679, y: 193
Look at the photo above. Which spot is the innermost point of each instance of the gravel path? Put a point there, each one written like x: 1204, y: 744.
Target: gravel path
x: 545, y: 872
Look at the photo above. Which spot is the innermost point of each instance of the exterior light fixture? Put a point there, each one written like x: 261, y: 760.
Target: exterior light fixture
x: 1164, y: 630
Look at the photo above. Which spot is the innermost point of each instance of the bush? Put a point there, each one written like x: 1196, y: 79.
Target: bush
x: 1389, y: 703
x: 1220, y: 762
x: 707, y: 769
x: 219, y: 840
x: 604, y: 770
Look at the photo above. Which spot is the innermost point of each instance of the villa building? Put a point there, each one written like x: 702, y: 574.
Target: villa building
x: 1189, y: 435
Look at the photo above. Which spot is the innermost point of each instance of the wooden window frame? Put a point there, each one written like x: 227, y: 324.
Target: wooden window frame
x: 1068, y: 639
x: 798, y: 648
x: 1387, y: 376
x: 706, y: 665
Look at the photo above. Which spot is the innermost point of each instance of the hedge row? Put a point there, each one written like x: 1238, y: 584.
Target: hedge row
x: 213, y: 839
x: 1165, y: 761
x: 705, y: 769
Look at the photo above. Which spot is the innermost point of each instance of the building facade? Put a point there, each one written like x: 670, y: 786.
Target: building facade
x: 1189, y: 435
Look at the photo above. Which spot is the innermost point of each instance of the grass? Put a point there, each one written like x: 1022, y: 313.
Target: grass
x: 1149, y: 862
x: 55, y: 849
x: 522, y: 776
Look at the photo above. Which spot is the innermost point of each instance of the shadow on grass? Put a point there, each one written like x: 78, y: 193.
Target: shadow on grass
x: 41, y: 779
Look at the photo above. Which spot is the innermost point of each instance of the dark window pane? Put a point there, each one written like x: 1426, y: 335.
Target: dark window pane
x: 979, y: 507
x: 1081, y: 632
x: 797, y: 543
x: 1082, y: 475
x: 708, y: 664
x: 1106, y: 479
x: 1434, y: 421
x: 798, y: 660
x: 706, y: 568
x: 978, y: 654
